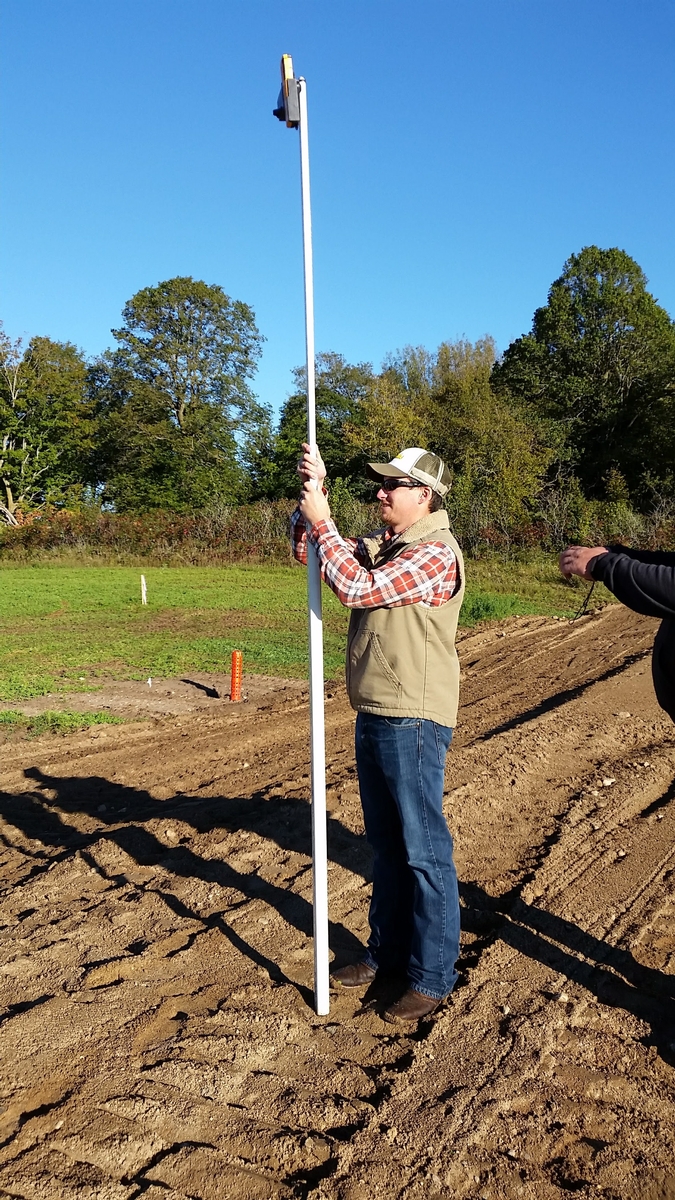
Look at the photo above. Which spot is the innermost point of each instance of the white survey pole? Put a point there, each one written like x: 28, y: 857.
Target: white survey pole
x: 316, y: 704
x: 293, y: 109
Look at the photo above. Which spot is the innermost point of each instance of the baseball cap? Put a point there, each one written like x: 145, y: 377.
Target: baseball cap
x: 415, y: 463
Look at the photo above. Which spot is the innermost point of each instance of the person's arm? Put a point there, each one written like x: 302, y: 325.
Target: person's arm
x: 647, y: 585
x: 299, y: 540
x: 660, y: 558
x: 299, y: 537
x: 313, y: 506
x: 423, y: 574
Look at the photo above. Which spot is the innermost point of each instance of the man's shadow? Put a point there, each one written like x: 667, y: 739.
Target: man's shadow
x: 43, y: 818
x: 286, y: 821
x: 283, y: 820
x: 613, y: 975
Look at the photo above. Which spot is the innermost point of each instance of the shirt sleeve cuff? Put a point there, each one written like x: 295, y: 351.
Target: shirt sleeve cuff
x: 599, y: 561
x: 320, y: 530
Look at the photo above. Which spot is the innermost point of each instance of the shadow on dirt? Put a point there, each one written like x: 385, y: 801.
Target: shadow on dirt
x: 613, y: 975
x: 284, y: 820
x: 551, y: 703
x: 211, y: 692
x: 123, y: 809
x: 660, y: 802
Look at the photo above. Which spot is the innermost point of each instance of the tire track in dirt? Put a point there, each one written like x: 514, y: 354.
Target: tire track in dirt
x: 155, y: 1031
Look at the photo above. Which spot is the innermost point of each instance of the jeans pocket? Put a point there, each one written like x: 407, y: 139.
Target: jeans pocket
x: 443, y: 735
x: 401, y: 722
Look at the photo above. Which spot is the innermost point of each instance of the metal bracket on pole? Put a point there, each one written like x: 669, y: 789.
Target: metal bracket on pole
x: 292, y: 108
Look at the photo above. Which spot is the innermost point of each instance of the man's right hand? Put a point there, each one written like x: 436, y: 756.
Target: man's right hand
x: 311, y: 465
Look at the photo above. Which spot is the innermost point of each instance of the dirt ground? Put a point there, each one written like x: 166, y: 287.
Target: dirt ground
x: 157, y: 1036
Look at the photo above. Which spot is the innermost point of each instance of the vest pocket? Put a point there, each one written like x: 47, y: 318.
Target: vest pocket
x: 371, y: 679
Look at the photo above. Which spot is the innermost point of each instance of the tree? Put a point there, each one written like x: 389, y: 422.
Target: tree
x: 178, y: 421
x: 460, y: 403
x: 341, y: 389
x: 390, y: 419
x: 598, y: 369
x: 46, y: 424
x: 143, y: 461
x: 444, y: 402
x: 498, y: 460
x: 193, y: 344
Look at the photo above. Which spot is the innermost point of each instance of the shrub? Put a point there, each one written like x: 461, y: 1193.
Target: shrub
x: 485, y: 522
x: 253, y: 532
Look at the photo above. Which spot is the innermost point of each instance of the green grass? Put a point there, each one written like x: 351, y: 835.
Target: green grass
x: 55, y: 722
x: 534, y: 580
x: 68, y: 628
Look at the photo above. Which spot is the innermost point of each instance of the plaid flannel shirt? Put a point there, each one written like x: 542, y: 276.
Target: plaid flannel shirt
x: 425, y: 574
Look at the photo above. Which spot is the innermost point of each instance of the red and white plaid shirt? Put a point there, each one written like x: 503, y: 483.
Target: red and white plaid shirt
x: 425, y: 574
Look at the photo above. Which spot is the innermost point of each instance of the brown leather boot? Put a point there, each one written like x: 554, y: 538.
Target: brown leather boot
x: 411, y: 1007
x: 355, y: 975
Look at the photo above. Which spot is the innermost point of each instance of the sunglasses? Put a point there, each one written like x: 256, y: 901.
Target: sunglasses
x: 390, y: 485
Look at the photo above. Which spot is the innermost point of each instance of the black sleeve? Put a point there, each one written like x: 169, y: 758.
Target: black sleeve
x: 660, y: 558
x: 645, y: 583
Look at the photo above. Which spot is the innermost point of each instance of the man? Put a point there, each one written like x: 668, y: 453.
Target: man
x: 643, y: 580
x: 404, y: 585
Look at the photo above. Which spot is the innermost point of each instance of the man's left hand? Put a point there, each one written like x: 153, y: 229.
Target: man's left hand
x: 313, y: 505
x: 575, y: 560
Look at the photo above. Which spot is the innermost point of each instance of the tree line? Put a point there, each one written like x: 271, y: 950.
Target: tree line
x: 572, y: 428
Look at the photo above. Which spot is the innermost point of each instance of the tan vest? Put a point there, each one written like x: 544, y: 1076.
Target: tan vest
x: 402, y: 662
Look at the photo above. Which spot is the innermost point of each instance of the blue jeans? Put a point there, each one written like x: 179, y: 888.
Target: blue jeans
x: 414, y: 912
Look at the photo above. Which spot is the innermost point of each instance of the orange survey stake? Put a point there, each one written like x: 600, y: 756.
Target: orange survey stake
x: 235, y: 678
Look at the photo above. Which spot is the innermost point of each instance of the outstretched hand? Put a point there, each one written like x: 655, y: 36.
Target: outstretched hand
x: 311, y: 465
x: 575, y: 560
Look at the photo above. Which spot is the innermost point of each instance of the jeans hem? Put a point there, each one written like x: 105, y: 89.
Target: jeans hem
x: 425, y: 991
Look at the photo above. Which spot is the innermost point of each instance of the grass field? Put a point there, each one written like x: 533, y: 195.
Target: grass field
x: 52, y: 721
x: 64, y: 627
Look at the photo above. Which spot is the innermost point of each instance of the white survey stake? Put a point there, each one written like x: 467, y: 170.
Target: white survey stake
x: 292, y: 108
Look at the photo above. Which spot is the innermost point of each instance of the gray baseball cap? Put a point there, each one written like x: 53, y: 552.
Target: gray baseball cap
x: 415, y: 463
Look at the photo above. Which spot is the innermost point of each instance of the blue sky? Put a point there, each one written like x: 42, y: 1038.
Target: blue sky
x: 460, y: 152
